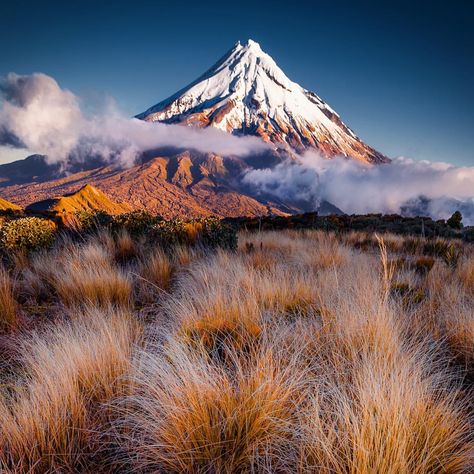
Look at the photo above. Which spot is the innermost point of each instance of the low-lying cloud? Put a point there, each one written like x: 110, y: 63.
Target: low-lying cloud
x: 37, y: 114
x: 403, y: 186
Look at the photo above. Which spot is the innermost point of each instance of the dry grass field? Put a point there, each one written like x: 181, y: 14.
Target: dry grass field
x: 301, y: 352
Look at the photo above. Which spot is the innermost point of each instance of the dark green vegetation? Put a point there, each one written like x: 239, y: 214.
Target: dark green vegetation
x: 18, y: 233
x: 394, y: 223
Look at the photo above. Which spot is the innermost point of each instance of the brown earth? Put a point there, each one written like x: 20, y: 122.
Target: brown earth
x: 182, y: 185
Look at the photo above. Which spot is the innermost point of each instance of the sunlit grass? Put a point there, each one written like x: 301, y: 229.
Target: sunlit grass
x: 299, y: 352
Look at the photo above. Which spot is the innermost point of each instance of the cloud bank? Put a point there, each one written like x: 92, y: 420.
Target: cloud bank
x: 403, y: 186
x: 37, y: 114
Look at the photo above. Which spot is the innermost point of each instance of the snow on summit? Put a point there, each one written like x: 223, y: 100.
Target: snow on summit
x: 246, y: 93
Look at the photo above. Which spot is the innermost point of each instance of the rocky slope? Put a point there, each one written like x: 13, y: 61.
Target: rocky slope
x: 246, y: 93
x: 87, y: 198
x: 185, y: 184
x: 8, y: 206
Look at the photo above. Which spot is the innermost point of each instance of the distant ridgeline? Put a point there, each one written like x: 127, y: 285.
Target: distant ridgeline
x: 417, y: 226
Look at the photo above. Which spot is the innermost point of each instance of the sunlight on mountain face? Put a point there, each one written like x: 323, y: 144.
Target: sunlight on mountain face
x: 242, y: 139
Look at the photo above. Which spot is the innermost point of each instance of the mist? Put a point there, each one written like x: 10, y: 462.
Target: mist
x: 37, y: 114
x: 403, y: 186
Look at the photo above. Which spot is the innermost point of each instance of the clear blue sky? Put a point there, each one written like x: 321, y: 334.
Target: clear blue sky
x: 399, y: 73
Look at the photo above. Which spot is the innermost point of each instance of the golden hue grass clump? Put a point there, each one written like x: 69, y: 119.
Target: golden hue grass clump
x: 157, y: 269
x: 52, y: 418
x: 8, y: 304
x: 86, y: 275
x: 301, y: 352
x: 190, y: 415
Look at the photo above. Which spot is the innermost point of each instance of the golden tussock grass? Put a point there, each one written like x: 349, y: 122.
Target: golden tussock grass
x: 87, y: 276
x: 392, y: 418
x: 184, y: 255
x: 125, y: 247
x: 8, y: 304
x: 190, y: 415
x: 465, y: 272
x: 157, y: 269
x: 302, y: 352
x: 50, y: 417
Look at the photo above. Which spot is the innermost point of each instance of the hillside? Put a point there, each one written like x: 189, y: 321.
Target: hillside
x: 87, y: 198
x: 8, y: 206
x: 180, y: 185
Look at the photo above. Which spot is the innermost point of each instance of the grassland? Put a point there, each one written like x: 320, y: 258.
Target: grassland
x: 300, y: 352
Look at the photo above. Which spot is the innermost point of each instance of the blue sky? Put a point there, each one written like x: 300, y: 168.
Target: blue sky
x: 400, y: 75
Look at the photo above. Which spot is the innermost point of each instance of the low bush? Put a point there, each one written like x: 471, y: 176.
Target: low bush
x: 468, y: 234
x: 27, y: 234
x: 136, y: 223
x: 455, y: 221
x: 91, y: 221
x: 216, y: 234
x: 208, y: 231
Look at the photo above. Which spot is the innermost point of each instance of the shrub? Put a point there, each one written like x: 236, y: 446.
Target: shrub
x: 216, y: 234
x: 27, y: 234
x: 172, y: 232
x: 91, y: 221
x: 208, y: 231
x: 455, y: 221
x: 468, y: 234
x: 136, y: 223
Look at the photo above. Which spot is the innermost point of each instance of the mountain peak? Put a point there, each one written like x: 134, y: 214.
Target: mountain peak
x: 250, y: 44
x: 246, y: 93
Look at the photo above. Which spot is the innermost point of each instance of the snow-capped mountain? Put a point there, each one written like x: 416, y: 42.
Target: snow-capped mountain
x: 246, y: 93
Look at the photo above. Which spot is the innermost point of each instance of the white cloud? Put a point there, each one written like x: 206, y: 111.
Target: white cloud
x: 37, y: 114
x: 359, y: 188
